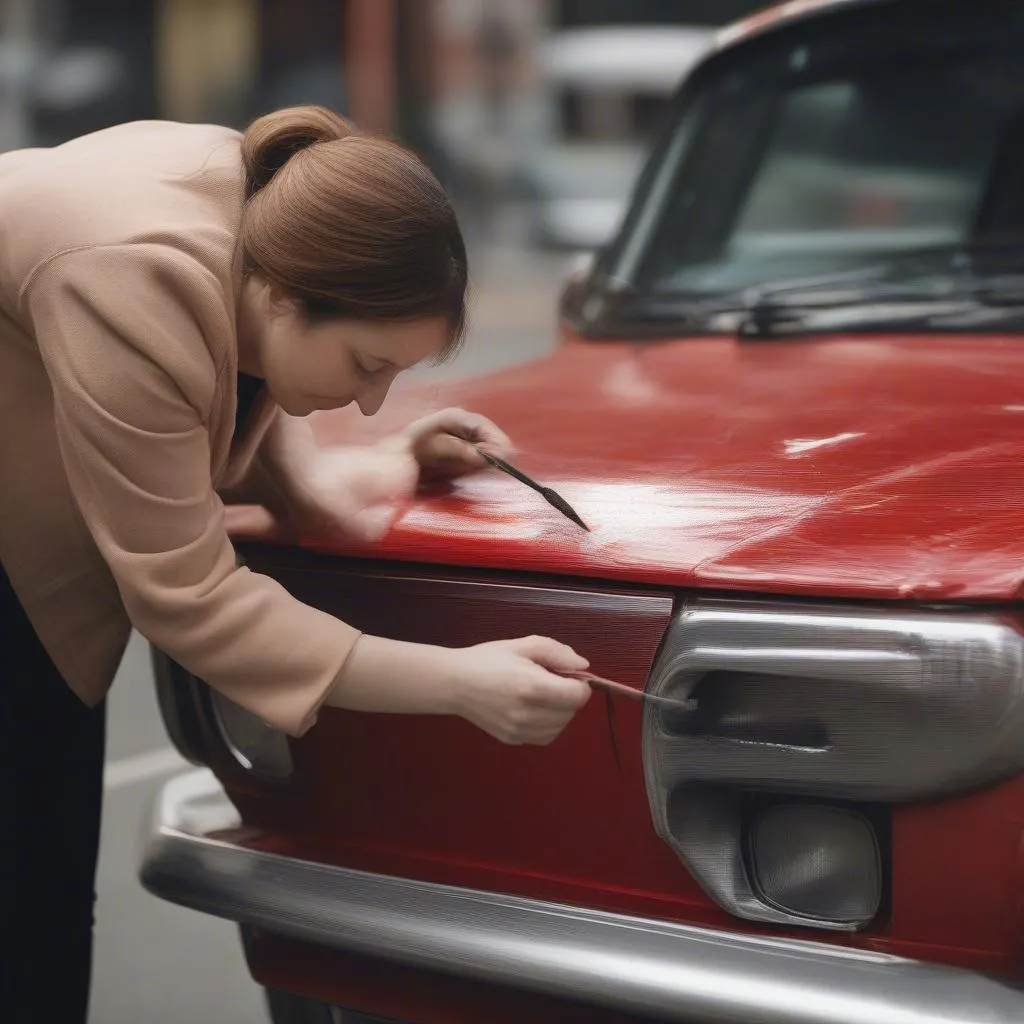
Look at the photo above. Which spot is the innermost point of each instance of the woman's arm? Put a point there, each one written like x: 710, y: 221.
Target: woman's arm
x: 511, y: 689
x: 283, y: 458
x: 122, y: 330
x: 311, y: 490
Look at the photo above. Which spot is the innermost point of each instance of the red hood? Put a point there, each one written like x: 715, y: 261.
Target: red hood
x: 889, y: 467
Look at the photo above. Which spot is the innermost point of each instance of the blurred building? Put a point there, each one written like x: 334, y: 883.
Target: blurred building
x: 545, y: 101
x: 73, y: 66
x: 70, y: 66
x: 76, y: 64
x: 66, y: 68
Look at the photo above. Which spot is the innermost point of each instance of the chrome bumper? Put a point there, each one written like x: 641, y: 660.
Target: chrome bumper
x: 677, y: 972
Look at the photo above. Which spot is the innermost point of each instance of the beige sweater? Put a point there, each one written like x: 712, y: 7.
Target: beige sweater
x: 118, y: 367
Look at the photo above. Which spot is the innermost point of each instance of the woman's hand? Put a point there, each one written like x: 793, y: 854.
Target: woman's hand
x: 313, y: 491
x: 352, y: 490
x: 444, y: 443
x: 512, y: 689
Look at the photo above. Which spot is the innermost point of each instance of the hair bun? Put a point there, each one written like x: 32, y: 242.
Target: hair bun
x: 270, y: 141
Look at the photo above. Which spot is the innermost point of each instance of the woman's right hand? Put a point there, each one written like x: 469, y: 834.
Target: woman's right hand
x: 512, y: 689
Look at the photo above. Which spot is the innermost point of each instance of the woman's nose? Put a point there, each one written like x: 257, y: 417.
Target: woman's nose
x: 371, y: 398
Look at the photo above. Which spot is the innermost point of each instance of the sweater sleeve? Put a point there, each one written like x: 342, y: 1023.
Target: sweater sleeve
x: 122, y: 333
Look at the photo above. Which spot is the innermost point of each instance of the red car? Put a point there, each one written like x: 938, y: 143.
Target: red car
x: 789, y: 404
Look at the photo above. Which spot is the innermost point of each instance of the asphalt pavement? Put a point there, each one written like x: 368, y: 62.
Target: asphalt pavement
x: 160, y: 964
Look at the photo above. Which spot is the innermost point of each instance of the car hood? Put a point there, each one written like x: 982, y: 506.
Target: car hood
x: 888, y: 467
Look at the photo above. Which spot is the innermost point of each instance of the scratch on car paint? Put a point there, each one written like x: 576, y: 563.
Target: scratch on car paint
x: 920, y: 589
x: 628, y: 383
x: 800, y: 446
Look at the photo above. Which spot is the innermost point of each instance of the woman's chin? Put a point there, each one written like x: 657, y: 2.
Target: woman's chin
x: 307, y: 406
x: 298, y: 407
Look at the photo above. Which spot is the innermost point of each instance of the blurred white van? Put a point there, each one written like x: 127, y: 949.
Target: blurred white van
x: 604, y: 89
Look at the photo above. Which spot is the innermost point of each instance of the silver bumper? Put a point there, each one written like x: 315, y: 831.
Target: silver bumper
x: 673, y: 971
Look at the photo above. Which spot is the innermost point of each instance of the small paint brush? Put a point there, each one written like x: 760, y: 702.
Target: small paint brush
x: 610, y: 686
x: 553, y: 498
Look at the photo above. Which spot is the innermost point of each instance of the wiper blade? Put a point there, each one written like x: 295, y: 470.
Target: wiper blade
x: 934, y: 273
x: 958, y: 315
x: 905, y: 281
x: 777, y: 319
x: 911, y: 289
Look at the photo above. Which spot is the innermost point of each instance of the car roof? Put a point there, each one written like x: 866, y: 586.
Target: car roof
x: 782, y: 15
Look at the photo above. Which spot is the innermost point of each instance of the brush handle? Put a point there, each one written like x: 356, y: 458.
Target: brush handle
x: 609, y: 685
x: 553, y: 498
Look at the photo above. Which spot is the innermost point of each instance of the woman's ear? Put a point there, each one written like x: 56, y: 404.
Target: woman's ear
x: 274, y: 301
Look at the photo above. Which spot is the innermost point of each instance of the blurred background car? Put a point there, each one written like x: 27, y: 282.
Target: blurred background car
x: 607, y: 88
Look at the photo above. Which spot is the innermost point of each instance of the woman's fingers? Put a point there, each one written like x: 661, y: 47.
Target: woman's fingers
x: 448, y: 440
x: 550, y: 654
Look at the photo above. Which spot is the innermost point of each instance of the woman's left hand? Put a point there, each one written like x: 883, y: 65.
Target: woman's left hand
x: 350, y: 490
x: 353, y: 490
x: 444, y: 444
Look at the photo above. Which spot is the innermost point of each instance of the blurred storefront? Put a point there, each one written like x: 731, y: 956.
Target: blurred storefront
x: 385, y: 61
x: 509, y: 100
x: 71, y: 66
x: 67, y: 68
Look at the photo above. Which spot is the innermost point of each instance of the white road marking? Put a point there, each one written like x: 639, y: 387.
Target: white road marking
x: 127, y: 771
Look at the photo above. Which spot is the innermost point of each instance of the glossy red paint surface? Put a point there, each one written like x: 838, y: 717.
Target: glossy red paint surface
x: 867, y: 467
x: 883, y: 468
x: 889, y: 468
x: 437, y: 800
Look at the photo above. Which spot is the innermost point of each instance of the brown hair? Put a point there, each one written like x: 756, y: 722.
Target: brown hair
x: 349, y: 225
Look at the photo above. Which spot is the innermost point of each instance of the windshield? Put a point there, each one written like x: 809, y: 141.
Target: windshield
x: 832, y: 151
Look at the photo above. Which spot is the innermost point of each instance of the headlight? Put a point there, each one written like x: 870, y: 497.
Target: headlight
x: 815, y: 861
x: 854, y: 708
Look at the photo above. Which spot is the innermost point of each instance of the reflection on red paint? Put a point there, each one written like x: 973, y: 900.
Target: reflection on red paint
x: 888, y: 468
x: 848, y: 467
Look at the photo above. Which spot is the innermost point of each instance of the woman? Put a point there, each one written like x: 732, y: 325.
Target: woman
x: 173, y: 299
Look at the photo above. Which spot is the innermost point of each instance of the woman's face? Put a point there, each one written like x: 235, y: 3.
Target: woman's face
x: 330, y: 364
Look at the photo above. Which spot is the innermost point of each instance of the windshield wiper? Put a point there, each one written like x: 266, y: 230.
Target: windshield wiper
x: 949, y: 288
x: 964, y: 314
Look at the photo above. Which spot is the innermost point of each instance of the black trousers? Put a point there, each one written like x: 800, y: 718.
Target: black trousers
x: 51, y: 766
